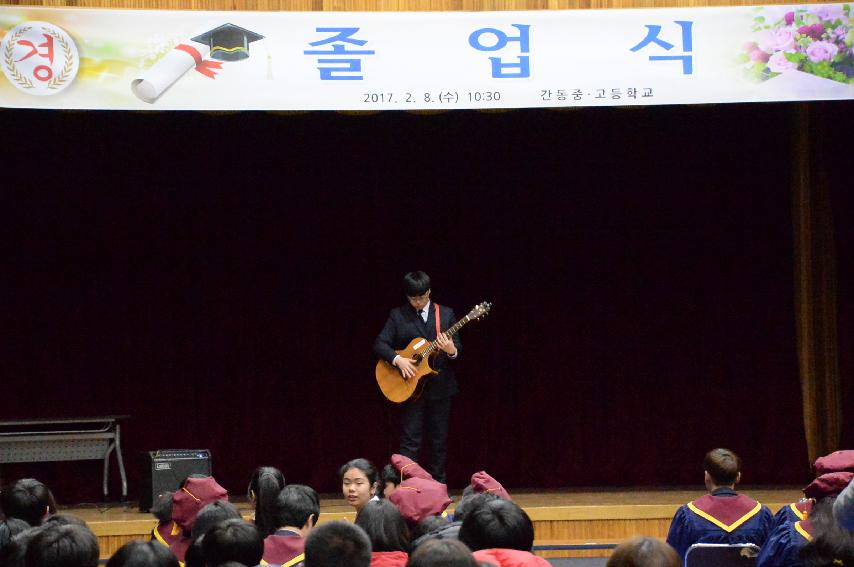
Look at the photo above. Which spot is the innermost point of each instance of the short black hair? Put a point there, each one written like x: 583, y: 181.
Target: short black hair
x: 162, y: 507
x: 63, y: 546
x: 143, y: 554
x: 472, y: 501
x: 391, y: 474
x: 427, y: 524
x: 28, y: 500
x: 416, y: 283
x: 499, y: 523
x: 12, y: 554
x: 644, y: 552
x: 232, y: 540
x: 194, y: 557
x: 442, y: 553
x: 9, y: 528
x: 723, y: 466
x: 337, y: 544
x: 384, y: 525
x: 294, y: 505
x: 64, y: 520
x: 211, y: 515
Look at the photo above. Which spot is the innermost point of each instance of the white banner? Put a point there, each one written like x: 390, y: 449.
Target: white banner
x: 192, y: 60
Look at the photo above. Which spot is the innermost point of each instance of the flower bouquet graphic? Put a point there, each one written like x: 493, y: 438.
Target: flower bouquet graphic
x: 806, y: 48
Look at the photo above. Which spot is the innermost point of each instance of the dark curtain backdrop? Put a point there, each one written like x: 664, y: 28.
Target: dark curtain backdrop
x: 221, y: 277
x: 836, y: 137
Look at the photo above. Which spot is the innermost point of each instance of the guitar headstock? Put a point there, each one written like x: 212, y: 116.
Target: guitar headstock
x: 479, y: 310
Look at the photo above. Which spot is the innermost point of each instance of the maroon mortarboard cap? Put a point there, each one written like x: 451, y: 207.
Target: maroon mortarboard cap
x: 838, y: 461
x: 416, y: 498
x: 196, y: 494
x: 829, y: 484
x: 482, y: 482
x: 409, y: 468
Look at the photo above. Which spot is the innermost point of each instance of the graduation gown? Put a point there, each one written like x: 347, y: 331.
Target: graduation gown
x: 794, y: 512
x: 784, y: 544
x: 171, y: 535
x: 283, y: 547
x: 720, y: 517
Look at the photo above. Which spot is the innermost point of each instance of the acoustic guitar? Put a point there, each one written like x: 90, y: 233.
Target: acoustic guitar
x: 399, y: 389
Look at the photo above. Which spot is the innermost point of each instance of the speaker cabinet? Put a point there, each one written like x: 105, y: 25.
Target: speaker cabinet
x: 165, y: 470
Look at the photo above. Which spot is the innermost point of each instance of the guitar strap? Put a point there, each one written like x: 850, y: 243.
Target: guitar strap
x: 438, y: 322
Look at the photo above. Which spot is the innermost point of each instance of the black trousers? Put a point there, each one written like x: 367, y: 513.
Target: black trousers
x: 426, y: 417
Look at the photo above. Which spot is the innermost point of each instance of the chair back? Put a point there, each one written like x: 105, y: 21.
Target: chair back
x: 721, y: 555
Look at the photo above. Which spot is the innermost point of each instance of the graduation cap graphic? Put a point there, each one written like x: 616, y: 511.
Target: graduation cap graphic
x: 228, y: 42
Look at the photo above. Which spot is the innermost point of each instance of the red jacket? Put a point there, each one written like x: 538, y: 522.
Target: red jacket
x: 510, y: 558
x: 389, y: 559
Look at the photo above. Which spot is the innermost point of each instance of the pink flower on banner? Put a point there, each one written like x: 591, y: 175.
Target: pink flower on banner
x: 827, y: 11
x: 782, y: 39
x: 758, y: 55
x: 779, y: 64
x: 814, y: 31
x: 821, y: 51
x: 789, y: 18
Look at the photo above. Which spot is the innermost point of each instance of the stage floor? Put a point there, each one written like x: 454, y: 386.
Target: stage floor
x: 577, y: 517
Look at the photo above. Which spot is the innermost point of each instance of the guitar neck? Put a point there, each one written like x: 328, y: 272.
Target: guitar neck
x: 450, y: 332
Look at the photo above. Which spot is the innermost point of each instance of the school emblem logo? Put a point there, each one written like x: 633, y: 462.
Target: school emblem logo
x: 39, y: 58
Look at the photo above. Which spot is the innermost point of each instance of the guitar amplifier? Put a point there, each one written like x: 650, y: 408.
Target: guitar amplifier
x: 165, y: 470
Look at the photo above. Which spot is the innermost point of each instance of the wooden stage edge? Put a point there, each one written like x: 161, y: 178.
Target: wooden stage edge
x: 565, y: 517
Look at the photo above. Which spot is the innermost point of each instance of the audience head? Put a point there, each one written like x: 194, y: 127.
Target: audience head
x: 390, y: 479
x: 416, y: 284
x: 337, y: 544
x: 232, y: 540
x: 472, y: 501
x: 211, y: 515
x: 9, y: 528
x: 497, y: 524
x: 831, y: 544
x: 194, y: 557
x: 62, y: 546
x: 482, y: 481
x: 297, y: 506
x: 828, y: 485
x: 359, y: 482
x: 264, y: 487
x: 442, y: 553
x: 644, y: 552
x: 12, y: 555
x: 162, y: 507
x: 384, y: 525
x: 722, y: 467
x: 28, y: 500
x: 143, y: 554
x: 64, y: 520
x: 427, y: 525
x: 196, y: 492
x: 838, y: 461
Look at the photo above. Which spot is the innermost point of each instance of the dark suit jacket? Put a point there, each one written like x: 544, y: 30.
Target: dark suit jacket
x: 402, y: 326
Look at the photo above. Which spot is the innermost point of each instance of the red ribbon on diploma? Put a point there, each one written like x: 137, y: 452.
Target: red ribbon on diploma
x: 205, y: 67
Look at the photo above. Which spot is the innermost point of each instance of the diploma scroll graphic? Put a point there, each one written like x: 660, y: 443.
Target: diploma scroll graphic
x: 187, y: 55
